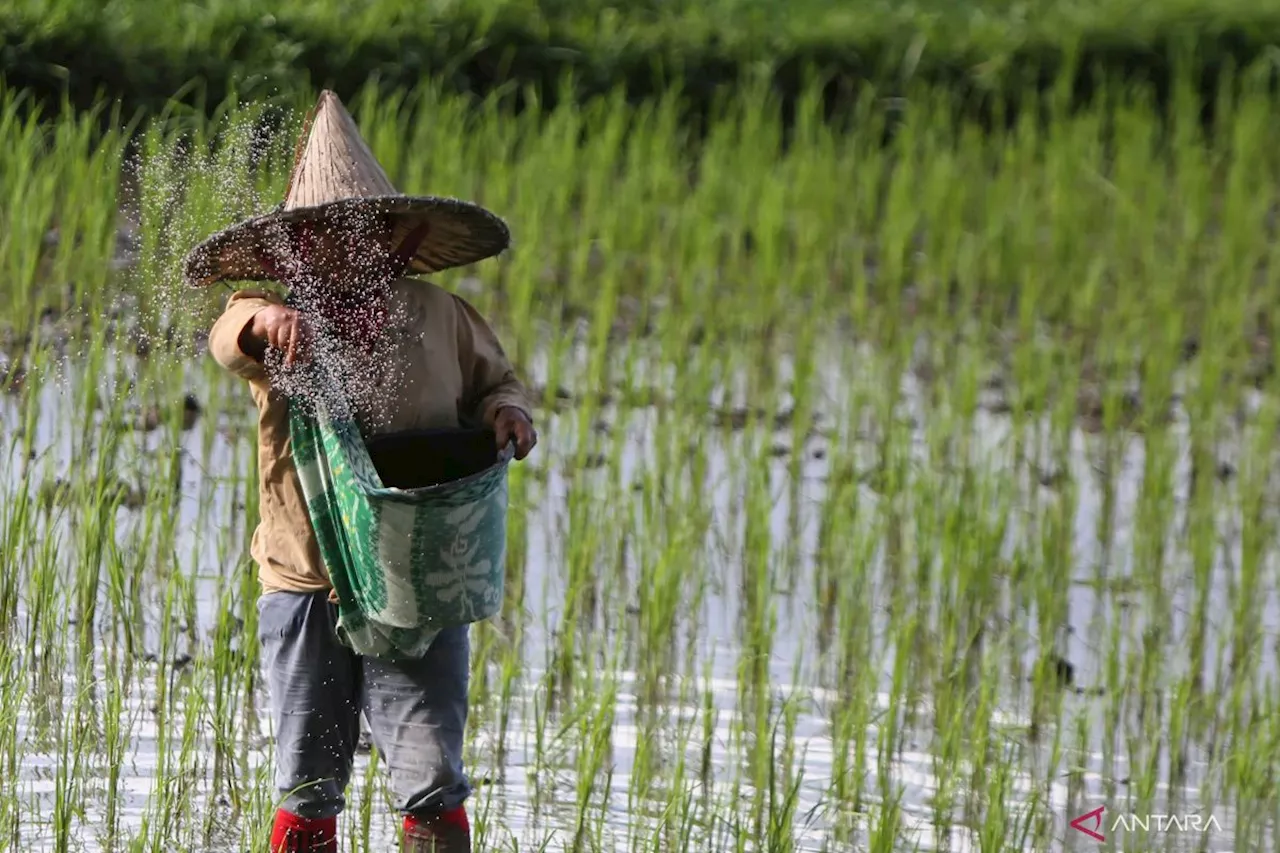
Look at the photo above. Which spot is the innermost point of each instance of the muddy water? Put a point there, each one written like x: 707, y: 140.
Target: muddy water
x: 531, y: 803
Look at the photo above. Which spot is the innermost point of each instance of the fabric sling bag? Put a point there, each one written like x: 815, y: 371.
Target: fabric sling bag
x: 405, y: 563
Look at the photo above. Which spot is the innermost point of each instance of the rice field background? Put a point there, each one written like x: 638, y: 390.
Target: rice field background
x: 202, y: 52
x: 892, y: 496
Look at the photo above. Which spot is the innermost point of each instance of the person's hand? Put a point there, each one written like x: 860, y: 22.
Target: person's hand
x: 283, y: 329
x: 511, y: 424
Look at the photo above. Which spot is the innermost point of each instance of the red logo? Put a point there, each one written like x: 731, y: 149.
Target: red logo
x: 1094, y: 817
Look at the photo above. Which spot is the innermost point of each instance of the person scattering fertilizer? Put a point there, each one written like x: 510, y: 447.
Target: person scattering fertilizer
x: 368, y: 588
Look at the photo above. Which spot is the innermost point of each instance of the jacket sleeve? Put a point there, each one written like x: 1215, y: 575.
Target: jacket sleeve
x: 489, y: 379
x: 224, y: 337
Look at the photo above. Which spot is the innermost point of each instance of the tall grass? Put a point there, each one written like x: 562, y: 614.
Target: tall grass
x: 893, y: 495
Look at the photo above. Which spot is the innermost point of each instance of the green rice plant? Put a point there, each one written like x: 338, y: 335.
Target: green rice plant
x: 359, y: 828
x: 11, y: 696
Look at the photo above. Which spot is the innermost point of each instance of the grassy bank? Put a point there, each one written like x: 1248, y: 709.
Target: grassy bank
x: 959, y: 451
x: 133, y: 50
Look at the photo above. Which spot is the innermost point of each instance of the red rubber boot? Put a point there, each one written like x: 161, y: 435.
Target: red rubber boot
x: 447, y: 832
x: 293, y: 834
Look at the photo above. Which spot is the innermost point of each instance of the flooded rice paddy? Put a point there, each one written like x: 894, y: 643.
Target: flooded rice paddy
x: 632, y: 723
x: 886, y: 499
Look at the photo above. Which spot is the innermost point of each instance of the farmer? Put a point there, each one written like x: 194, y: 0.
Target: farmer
x: 342, y: 241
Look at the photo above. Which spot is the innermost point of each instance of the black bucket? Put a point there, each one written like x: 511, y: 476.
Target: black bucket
x: 416, y: 459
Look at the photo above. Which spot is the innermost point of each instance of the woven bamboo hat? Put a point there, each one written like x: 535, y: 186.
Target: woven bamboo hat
x: 335, y: 175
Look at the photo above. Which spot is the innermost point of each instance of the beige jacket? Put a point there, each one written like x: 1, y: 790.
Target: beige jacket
x: 449, y: 364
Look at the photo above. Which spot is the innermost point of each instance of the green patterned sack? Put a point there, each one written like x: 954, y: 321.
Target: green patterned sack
x: 405, y: 563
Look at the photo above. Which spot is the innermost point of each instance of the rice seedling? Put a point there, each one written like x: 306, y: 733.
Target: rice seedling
x: 891, y: 496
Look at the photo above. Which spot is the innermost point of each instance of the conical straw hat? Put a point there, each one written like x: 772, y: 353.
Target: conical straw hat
x: 335, y: 174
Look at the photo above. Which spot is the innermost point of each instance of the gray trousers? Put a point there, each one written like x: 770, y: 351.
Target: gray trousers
x: 417, y: 711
